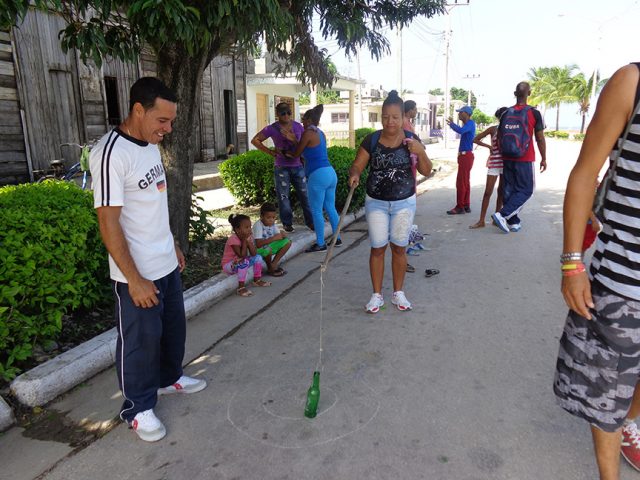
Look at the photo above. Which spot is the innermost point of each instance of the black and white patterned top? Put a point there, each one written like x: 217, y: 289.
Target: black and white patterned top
x: 616, y: 261
x: 391, y: 175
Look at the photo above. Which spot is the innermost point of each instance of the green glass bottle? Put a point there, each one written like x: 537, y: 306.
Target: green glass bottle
x: 313, y: 397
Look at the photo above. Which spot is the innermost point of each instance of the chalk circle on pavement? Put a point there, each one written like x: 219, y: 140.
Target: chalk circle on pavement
x: 274, y: 414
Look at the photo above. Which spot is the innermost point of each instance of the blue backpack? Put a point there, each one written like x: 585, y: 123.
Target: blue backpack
x: 513, y: 132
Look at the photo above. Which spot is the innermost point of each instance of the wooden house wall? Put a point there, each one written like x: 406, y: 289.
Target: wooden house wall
x: 13, y: 154
x: 64, y: 100
x: 126, y: 75
x: 49, y: 88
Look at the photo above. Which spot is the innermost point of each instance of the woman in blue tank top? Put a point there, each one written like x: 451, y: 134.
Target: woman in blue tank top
x: 321, y: 177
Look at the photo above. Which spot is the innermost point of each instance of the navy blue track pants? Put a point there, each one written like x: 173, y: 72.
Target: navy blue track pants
x: 150, y: 346
x: 518, y: 182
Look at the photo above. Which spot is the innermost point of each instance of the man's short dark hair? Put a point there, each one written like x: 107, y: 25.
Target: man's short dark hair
x: 266, y: 208
x: 146, y: 90
x: 409, y: 105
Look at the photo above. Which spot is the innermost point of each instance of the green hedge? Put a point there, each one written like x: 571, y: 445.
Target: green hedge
x: 361, y: 133
x: 578, y: 136
x: 249, y: 177
x: 53, y: 261
x: 556, y: 134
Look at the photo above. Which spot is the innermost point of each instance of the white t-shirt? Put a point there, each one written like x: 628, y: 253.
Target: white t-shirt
x: 262, y: 232
x: 128, y: 173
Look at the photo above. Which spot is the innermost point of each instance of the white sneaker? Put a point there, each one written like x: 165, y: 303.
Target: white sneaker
x: 500, y: 222
x: 400, y: 301
x: 148, y: 427
x: 184, y: 385
x: 375, y: 304
x: 516, y: 227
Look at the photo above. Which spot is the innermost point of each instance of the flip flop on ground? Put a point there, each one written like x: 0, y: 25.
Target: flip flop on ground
x: 278, y: 272
x: 430, y: 272
x: 261, y: 283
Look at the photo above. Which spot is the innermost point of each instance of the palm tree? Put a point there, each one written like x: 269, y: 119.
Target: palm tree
x: 583, y: 88
x: 553, y: 86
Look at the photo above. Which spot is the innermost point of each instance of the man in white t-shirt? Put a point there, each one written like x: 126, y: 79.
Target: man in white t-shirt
x: 130, y: 197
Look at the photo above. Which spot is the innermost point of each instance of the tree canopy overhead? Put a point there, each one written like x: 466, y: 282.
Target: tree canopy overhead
x: 187, y: 34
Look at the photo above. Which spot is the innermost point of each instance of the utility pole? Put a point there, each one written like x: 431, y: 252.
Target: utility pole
x: 470, y: 77
x: 447, y: 95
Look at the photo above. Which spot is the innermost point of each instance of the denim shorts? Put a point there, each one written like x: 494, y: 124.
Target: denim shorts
x: 389, y: 221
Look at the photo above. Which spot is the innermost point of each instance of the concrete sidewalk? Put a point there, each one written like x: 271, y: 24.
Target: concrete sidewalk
x: 459, y: 388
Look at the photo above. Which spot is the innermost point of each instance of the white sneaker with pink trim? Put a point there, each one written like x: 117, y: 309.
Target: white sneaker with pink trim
x: 400, y: 301
x: 147, y: 426
x: 184, y: 385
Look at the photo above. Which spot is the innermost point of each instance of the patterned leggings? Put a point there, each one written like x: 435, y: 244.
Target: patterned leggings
x: 241, y: 267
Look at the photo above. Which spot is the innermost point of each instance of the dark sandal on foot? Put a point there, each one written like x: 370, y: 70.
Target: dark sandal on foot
x: 261, y: 283
x: 244, y: 292
x: 278, y: 272
x: 430, y: 272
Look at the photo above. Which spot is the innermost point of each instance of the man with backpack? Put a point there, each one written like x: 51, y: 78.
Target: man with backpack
x: 288, y: 169
x: 465, y: 160
x: 515, y: 132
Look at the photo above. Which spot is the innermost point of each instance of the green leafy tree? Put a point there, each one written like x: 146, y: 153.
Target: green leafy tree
x: 583, y: 89
x: 553, y: 86
x: 482, y: 118
x: 462, y: 95
x: 187, y: 34
x: 436, y: 91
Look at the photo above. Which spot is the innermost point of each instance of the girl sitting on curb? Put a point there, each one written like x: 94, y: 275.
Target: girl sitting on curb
x: 240, y: 254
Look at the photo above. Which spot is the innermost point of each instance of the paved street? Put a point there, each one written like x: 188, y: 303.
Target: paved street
x: 457, y: 389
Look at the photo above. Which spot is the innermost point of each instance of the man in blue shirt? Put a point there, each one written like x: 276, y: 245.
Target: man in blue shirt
x: 465, y: 159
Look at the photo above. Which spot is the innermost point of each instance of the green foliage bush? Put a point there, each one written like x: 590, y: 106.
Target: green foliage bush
x: 556, y: 134
x: 578, y: 136
x: 249, y: 177
x: 361, y: 133
x: 341, y: 159
x: 53, y: 261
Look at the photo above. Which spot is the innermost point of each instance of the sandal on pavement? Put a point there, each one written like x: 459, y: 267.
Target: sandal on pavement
x: 430, y: 272
x: 410, y: 268
x: 278, y: 272
x: 261, y: 283
x: 244, y: 292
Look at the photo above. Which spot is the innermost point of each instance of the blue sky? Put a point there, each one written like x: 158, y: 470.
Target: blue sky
x: 499, y: 40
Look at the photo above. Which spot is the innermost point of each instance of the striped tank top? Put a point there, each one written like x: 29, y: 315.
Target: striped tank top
x: 616, y: 261
x: 495, y: 157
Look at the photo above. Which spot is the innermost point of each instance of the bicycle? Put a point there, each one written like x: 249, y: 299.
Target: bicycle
x: 77, y: 173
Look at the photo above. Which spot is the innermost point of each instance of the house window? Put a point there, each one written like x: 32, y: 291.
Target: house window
x: 113, y: 108
x: 373, y: 117
x: 341, y: 117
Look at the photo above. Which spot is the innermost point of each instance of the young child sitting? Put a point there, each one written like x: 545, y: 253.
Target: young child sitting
x: 271, y: 242
x: 240, y: 254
